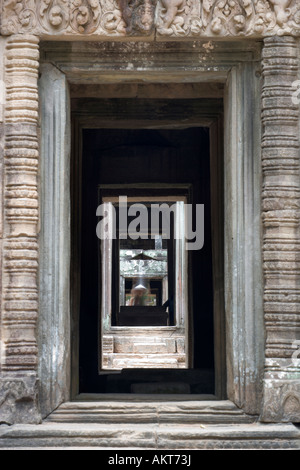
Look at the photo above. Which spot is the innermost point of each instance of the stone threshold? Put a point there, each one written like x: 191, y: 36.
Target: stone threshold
x: 142, y: 409
x: 144, y: 397
x: 55, y: 436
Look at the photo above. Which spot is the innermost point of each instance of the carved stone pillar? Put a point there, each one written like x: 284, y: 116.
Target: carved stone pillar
x: 18, y: 381
x: 281, y: 242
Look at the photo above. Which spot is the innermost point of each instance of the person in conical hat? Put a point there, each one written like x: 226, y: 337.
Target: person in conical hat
x: 138, y: 293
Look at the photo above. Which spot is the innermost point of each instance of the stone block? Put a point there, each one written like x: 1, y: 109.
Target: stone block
x: 19, y: 400
x: 107, y: 344
x: 180, y: 345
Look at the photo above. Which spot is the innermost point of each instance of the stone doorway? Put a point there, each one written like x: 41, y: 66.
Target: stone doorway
x: 220, y: 88
x: 166, y: 164
x: 257, y: 72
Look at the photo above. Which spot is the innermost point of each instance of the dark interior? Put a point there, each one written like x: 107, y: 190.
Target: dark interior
x: 120, y: 156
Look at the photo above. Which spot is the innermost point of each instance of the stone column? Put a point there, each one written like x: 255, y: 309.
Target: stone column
x: 281, y: 234
x: 242, y: 238
x: 18, y: 383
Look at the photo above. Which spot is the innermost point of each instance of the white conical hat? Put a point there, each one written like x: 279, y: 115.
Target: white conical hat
x: 140, y: 286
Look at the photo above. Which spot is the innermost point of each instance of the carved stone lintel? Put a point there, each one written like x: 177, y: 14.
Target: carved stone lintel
x: 220, y: 18
x: 79, y: 17
x: 281, y: 224
x: 139, y: 18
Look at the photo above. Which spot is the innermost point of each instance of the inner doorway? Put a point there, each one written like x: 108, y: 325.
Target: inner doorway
x: 148, y: 163
x: 144, y: 274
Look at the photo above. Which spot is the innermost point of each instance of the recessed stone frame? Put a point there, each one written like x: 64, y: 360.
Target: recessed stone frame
x: 65, y: 66
x: 88, y: 113
x: 237, y: 65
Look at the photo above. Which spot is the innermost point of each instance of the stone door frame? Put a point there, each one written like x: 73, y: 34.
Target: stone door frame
x: 244, y: 389
x: 261, y: 199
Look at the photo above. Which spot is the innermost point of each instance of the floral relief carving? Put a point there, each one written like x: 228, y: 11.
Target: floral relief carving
x: 170, y: 18
x: 18, y: 15
x: 179, y: 18
x: 102, y: 17
x: 112, y: 22
x: 281, y: 10
x: 228, y: 17
x: 53, y: 14
x: 85, y: 15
